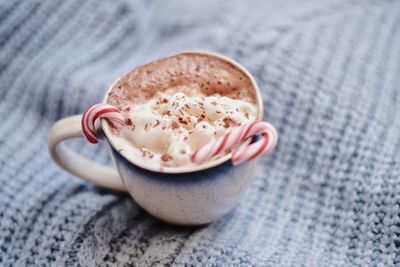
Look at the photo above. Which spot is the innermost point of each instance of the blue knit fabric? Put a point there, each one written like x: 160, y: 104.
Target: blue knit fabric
x: 329, y: 72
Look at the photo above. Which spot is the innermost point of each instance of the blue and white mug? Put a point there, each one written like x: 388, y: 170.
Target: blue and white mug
x: 191, y: 196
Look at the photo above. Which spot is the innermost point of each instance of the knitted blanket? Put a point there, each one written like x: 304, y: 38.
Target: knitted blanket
x: 329, y: 72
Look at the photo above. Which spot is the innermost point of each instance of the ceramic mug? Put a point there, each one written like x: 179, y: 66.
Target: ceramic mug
x: 191, y: 196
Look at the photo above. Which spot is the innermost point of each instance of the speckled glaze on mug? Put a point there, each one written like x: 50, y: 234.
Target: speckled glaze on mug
x: 189, y: 196
x: 186, y: 198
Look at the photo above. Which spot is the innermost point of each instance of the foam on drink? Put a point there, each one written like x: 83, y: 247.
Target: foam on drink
x: 169, y: 128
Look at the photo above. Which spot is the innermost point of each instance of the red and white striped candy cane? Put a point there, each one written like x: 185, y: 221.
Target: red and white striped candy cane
x: 236, y: 137
x: 95, y: 112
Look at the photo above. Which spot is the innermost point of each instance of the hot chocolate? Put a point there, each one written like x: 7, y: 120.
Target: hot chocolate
x: 176, y: 105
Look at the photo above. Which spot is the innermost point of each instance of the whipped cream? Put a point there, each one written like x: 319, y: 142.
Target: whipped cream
x: 168, y: 128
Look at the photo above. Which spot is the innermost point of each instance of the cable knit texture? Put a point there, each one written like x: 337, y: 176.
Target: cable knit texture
x: 329, y: 72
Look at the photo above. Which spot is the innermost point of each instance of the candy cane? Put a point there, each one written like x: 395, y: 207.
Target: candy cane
x: 268, y: 141
x: 95, y: 112
x: 236, y: 137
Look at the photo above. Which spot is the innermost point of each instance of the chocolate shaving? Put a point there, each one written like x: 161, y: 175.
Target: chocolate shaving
x: 181, y: 120
x: 174, y: 125
x: 167, y: 113
x: 200, y: 119
x: 166, y: 157
x: 228, y: 121
x: 144, y: 152
x: 183, y: 151
x: 128, y: 121
x: 164, y: 100
x: 157, y: 123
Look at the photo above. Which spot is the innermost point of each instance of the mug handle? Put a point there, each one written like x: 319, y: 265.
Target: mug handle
x: 98, y: 174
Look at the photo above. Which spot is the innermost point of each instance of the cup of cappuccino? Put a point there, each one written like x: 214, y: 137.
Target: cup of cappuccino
x: 171, y: 108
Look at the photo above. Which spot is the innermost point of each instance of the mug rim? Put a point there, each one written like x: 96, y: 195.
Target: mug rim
x: 185, y: 169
